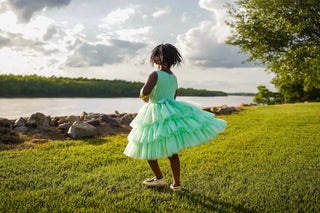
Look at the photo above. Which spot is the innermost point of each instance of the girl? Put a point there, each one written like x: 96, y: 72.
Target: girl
x: 165, y: 126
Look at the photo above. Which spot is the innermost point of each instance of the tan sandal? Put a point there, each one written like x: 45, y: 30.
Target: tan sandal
x: 155, y: 182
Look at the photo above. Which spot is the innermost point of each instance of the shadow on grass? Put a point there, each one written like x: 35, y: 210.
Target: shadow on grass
x: 207, y: 203
x: 211, y: 204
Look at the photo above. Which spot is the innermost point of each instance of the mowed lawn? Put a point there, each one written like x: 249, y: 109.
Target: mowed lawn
x: 267, y: 160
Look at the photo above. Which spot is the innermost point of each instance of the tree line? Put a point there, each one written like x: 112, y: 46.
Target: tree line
x: 38, y: 86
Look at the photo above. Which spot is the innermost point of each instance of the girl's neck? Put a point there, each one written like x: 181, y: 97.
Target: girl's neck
x: 165, y: 69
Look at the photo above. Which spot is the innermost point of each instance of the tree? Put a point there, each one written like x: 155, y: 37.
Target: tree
x: 283, y: 36
x: 265, y: 96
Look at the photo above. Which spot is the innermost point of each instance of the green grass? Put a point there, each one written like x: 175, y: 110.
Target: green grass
x: 266, y: 161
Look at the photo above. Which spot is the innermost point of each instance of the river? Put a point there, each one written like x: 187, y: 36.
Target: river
x: 12, y: 108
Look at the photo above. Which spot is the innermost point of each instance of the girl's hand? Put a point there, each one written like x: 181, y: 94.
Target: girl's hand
x: 144, y: 98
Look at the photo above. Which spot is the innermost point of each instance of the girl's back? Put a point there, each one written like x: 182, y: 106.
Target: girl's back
x: 165, y: 87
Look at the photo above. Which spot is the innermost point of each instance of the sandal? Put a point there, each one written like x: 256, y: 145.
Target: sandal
x: 155, y: 182
x: 175, y: 188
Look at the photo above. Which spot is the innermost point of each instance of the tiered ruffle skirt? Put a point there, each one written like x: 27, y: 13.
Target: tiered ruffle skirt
x: 164, y: 128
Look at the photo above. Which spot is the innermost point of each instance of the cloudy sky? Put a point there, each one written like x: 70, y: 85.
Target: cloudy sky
x: 113, y: 40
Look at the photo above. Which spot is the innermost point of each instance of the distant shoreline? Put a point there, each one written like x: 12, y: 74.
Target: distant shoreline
x: 32, y: 86
x: 238, y: 94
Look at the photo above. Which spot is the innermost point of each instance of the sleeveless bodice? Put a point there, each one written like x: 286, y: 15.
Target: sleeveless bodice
x: 165, y: 87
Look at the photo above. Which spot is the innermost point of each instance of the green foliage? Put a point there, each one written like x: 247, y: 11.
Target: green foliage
x: 265, y: 96
x: 267, y: 160
x: 37, y: 86
x: 284, y: 36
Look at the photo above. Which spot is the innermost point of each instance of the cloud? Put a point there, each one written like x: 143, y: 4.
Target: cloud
x: 99, y: 54
x: 4, y: 41
x: 18, y: 43
x: 117, y: 17
x: 51, y: 32
x: 142, y: 34
x: 204, y: 45
x: 161, y: 12
x: 26, y: 8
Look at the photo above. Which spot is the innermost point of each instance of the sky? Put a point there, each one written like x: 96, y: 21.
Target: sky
x: 105, y: 39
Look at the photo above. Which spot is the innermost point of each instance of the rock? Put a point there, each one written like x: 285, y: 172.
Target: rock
x: 31, y: 122
x: 54, y: 121
x: 81, y: 129
x: 93, y: 122
x: 206, y: 109
x: 224, y: 111
x: 88, y: 117
x: 116, y: 112
x: 46, y: 122
x: 20, y: 122
x: 39, y: 118
x: 126, y: 119
x: 9, y: 136
x: 21, y: 129
x: 82, y: 116
x: 72, y: 118
x: 213, y: 109
x: 64, y: 126
x: 5, y: 123
x: 244, y: 105
x: 110, y: 120
x: 62, y: 120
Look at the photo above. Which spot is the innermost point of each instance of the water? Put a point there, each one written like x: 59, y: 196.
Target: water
x: 13, y: 108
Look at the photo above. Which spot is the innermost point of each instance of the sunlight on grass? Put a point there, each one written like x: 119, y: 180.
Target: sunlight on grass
x: 267, y: 160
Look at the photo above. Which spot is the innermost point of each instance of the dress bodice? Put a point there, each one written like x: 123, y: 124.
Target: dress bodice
x: 165, y: 87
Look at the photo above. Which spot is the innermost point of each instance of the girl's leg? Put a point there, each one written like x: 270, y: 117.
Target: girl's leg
x: 175, y: 168
x: 155, y: 168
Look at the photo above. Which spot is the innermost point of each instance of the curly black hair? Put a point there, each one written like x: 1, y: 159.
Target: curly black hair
x: 165, y: 55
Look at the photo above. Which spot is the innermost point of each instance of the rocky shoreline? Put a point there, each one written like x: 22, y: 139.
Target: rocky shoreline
x: 41, y: 128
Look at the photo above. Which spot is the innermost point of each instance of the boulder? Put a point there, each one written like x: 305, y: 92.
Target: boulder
x: 110, y: 120
x: 5, y: 123
x: 224, y: 111
x: 93, y: 121
x: 64, y: 126
x: 206, y: 109
x: 72, y: 118
x: 47, y: 121
x: 126, y: 119
x: 81, y: 129
x: 82, y: 116
x: 89, y: 117
x: 20, y: 122
x: 62, y: 120
x: 38, y: 118
x: 54, y: 121
x: 21, y: 129
x: 31, y: 122
x: 244, y: 105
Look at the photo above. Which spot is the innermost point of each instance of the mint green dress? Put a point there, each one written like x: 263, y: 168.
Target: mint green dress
x: 165, y: 126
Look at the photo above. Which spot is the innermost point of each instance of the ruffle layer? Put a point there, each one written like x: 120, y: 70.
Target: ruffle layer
x: 163, y: 129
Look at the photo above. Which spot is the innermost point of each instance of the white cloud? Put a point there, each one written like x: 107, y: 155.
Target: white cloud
x: 90, y: 54
x: 204, y: 45
x: 143, y: 34
x: 212, y: 5
x: 117, y: 17
x: 161, y: 12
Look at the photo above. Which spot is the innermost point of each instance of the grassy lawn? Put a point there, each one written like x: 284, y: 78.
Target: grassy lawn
x: 266, y: 161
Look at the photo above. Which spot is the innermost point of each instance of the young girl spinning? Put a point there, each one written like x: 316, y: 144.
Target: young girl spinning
x: 165, y: 126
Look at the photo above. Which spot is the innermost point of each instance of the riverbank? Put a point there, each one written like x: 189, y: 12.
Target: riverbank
x: 40, y: 128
